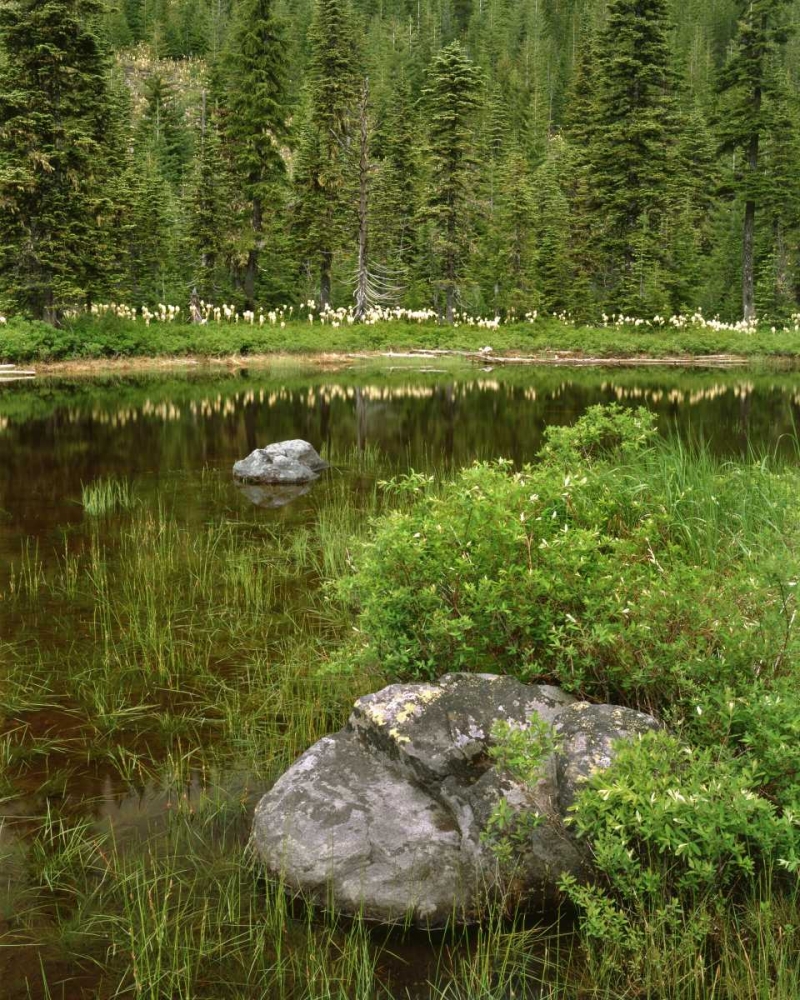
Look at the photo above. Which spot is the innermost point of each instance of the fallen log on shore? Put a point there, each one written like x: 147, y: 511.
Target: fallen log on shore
x: 576, y: 361
x: 10, y: 373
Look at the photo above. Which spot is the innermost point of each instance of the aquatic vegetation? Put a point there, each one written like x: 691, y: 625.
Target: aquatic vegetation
x: 106, y: 496
x: 182, y: 660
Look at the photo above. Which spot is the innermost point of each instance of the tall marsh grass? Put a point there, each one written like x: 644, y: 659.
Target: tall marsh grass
x: 187, y: 658
x: 107, y: 496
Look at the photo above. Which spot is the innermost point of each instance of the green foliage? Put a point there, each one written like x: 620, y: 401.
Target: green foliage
x: 675, y: 833
x: 54, y: 164
x: 521, y: 752
x: 582, y: 569
x: 254, y: 128
x: 324, y: 177
x: 162, y: 128
x: 105, y: 496
x: 604, y: 432
x: 452, y: 98
x: 762, y: 723
x: 629, y: 131
x: 667, y: 819
x: 752, y: 82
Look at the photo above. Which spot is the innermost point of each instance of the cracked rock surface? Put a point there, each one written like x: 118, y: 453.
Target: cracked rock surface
x: 385, y: 817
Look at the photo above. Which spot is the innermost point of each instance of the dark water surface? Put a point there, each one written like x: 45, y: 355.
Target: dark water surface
x: 162, y: 432
x: 175, y: 438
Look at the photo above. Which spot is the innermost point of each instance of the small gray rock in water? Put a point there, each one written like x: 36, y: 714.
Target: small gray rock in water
x: 285, y: 462
x: 385, y: 818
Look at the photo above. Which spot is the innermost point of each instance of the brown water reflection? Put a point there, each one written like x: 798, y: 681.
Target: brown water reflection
x: 175, y: 439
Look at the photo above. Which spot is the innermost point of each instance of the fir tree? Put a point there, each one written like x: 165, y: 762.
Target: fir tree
x: 151, y: 232
x: 162, y: 128
x: 513, y: 238
x: 396, y: 187
x: 326, y: 171
x: 452, y: 99
x: 554, y: 268
x: 778, y: 238
x: 750, y: 79
x: 694, y: 188
x: 255, y: 125
x: 208, y: 237
x: 631, y: 130
x: 54, y: 165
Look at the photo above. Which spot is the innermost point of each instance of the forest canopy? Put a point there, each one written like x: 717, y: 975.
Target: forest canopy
x: 501, y: 157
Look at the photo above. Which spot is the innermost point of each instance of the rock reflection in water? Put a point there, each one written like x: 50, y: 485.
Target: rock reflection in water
x: 273, y: 496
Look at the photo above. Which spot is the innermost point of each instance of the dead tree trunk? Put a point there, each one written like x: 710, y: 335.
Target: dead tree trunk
x: 362, y: 278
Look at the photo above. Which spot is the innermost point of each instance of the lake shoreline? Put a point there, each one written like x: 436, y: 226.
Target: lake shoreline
x: 88, y: 344
x: 331, y: 360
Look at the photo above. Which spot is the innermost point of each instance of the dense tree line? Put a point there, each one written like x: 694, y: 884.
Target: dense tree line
x: 581, y: 156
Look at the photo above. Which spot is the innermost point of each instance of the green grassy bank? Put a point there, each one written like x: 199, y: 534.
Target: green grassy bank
x: 24, y: 341
x: 156, y: 676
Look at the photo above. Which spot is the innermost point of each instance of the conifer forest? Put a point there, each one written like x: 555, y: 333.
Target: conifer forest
x: 499, y: 157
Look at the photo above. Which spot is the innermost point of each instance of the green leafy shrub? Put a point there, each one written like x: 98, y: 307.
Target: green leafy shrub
x: 763, y: 724
x: 582, y: 570
x: 521, y: 751
x: 604, y: 431
x: 670, y: 827
x: 668, y: 818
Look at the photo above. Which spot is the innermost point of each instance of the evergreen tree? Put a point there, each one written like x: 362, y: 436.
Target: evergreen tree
x: 151, y: 232
x: 554, y: 266
x: 750, y: 79
x: 631, y: 131
x: 397, y: 179
x: 778, y: 237
x: 512, y: 236
x: 208, y: 238
x: 452, y: 98
x: 326, y: 173
x: 694, y: 188
x: 162, y: 128
x: 54, y: 165
x: 255, y: 125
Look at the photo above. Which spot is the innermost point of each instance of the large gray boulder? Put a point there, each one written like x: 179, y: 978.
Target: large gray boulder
x: 386, y: 818
x: 282, y: 463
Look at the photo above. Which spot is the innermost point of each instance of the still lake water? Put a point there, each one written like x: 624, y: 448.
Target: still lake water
x: 163, y: 432
x: 175, y: 437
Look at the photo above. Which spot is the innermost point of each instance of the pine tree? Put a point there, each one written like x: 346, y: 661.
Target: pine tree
x: 512, y: 236
x: 255, y: 125
x: 689, y: 233
x: 750, y: 79
x: 631, y: 131
x: 452, y: 98
x: 778, y: 237
x: 208, y: 224
x: 162, y: 128
x: 151, y: 232
x: 326, y: 172
x: 554, y: 266
x: 54, y: 166
x: 396, y: 186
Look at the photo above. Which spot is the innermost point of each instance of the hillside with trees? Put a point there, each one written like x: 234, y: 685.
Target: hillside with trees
x: 494, y: 156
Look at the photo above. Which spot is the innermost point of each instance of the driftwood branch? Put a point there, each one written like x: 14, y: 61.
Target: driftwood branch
x: 489, y: 358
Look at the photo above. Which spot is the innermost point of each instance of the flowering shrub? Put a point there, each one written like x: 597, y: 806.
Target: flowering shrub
x: 667, y: 825
x: 309, y: 311
x: 584, y: 570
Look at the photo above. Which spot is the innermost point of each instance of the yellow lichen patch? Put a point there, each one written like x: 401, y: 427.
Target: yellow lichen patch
x: 408, y: 710
x: 397, y: 736
x: 377, y: 714
x: 427, y: 695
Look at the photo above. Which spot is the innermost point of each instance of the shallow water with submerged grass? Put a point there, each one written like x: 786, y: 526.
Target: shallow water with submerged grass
x: 160, y: 644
